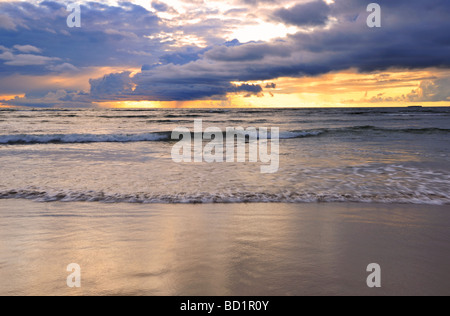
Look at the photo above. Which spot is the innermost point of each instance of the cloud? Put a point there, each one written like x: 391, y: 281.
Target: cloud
x: 313, y: 13
x: 189, y: 58
x: 7, y: 56
x: 116, y: 84
x: 349, y: 44
x: 249, y: 89
x: 6, y: 22
x: 59, y: 98
x: 248, y: 52
x: 106, y: 30
x: 22, y: 60
x: 437, y: 90
x: 183, y: 56
x: 27, y: 49
x: 160, y: 6
x: 65, y: 67
x: 258, y: 2
x: 123, y: 86
x: 430, y: 91
x: 29, y: 60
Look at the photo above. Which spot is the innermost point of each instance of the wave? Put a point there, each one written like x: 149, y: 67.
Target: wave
x: 184, y: 116
x: 210, y: 198
x: 259, y: 111
x: 218, y: 111
x: 125, y: 116
x: 430, y: 130
x: 301, y: 134
x: 399, y: 111
x: 366, y: 129
x: 82, y: 138
x: 170, y: 121
x: 132, y: 110
x: 24, y: 139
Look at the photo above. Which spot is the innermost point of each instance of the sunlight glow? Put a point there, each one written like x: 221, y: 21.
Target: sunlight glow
x: 261, y: 32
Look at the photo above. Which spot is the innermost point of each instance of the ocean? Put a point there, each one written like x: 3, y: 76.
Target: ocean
x: 383, y: 155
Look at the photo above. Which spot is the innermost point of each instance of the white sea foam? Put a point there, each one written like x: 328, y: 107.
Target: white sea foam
x: 424, y: 197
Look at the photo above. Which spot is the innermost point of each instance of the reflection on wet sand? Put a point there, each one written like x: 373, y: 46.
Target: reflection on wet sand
x: 227, y: 249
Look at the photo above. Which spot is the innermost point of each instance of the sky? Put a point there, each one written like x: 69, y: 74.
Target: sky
x: 235, y: 53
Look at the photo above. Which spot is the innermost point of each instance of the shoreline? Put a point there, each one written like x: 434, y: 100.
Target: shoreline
x: 166, y: 200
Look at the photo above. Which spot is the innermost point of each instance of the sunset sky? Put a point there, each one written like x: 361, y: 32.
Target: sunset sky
x: 235, y: 53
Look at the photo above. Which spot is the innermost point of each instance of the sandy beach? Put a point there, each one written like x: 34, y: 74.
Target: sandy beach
x: 223, y: 249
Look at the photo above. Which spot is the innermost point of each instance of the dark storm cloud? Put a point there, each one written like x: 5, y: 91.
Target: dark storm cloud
x: 112, y: 84
x: 305, y: 14
x: 108, y: 36
x: 121, y: 86
x: 410, y: 37
x: 249, y: 52
x: 251, y: 89
x: 183, y: 56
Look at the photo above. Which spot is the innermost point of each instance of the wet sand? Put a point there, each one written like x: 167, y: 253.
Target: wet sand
x: 223, y: 249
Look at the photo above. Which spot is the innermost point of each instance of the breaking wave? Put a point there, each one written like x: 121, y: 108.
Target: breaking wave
x: 82, y: 138
x: 167, y: 136
x: 240, y: 197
